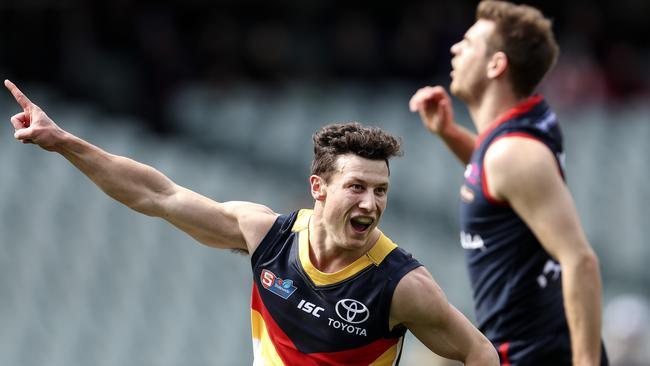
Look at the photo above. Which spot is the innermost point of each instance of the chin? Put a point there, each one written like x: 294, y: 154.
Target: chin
x: 454, y: 89
x: 358, y: 240
x: 464, y: 96
x: 355, y: 240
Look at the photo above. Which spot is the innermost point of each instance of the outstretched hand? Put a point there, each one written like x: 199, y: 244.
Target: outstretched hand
x: 434, y: 105
x: 32, y: 125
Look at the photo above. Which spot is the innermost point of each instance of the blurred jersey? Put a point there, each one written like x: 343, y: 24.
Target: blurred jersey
x: 516, y: 283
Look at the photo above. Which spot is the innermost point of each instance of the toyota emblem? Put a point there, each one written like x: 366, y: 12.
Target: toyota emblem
x: 352, y: 311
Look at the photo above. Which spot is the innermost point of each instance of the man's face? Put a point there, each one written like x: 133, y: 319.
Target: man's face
x: 469, y: 62
x: 355, y: 198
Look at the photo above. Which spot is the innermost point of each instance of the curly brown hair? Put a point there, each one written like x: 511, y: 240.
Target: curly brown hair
x: 526, y: 37
x: 342, y: 138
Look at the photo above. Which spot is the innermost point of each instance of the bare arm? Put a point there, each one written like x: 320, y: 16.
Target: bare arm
x: 420, y: 305
x: 235, y: 225
x: 525, y: 173
x: 434, y: 106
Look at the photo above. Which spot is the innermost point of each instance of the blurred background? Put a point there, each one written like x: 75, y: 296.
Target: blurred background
x: 223, y: 98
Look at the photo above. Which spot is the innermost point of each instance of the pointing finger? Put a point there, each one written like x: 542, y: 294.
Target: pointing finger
x: 20, y: 97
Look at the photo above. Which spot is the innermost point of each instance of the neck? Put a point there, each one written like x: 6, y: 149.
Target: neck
x: 328, y: 255
x: 490, y: 106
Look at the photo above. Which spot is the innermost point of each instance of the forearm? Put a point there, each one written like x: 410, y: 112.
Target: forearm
x: 134, y: 184
x: 582, y: 300
x: 460, y: 141
x: 482, y: 359
x: 483, y: 354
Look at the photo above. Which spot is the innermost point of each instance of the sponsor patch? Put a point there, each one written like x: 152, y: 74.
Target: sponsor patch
x: 471, y: 173
x: 352, y: 311
x: 275, y: 284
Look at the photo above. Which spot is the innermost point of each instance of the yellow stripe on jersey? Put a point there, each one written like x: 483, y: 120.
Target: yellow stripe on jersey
x: 381, y: 249
x: 389, y: 357
x: 375, y: 255
x: 265, y: 353
x: 302, y: 221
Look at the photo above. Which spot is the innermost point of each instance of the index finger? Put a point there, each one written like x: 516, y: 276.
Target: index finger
x: 20, y: 97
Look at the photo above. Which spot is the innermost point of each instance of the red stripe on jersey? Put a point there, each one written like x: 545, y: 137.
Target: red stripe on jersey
x: 503, y: 354
x: 285, y: 348
x: 290, y: 355
x: 520, y: 109
x: 484, y: 182
x: 361, y: 356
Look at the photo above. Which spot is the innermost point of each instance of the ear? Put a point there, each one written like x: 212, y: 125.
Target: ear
x: 318, y: 186
x: 497, y: 65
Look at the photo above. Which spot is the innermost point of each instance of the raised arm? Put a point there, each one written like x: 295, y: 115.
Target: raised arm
x: 235, y: 225
x: 525, y: 173
x: 434, y: 106
x: 420, y: 305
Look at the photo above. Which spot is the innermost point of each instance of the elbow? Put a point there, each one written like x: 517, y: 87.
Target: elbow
x: 588, y: 262
x: 584, y: 262
x: 490, y: 356
x: 151, y: 204
x: 485, y: 355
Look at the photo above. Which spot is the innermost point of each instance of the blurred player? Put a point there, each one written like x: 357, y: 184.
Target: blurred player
x: 329, y: 287
x: 535, y: 278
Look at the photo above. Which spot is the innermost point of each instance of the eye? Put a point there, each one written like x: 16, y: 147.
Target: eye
x: 357, y: 187
x: 381, y: 191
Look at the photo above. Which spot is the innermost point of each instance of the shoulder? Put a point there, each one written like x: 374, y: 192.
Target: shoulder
x: 522, y: 151
x: 417, y: 298
x: 254, y: 220
x: 515, y: 162
x: 251, y: 213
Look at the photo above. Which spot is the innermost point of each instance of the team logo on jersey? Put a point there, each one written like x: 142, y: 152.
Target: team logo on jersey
x: 471, y: 173
x: 280, y: 287
x: 352, y: 311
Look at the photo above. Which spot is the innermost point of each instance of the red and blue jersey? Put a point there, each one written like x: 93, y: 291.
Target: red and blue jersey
x: 302, y: 316
x: 516, y: 283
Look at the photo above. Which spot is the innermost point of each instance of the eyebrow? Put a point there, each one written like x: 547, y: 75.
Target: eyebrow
x: 385, y: 184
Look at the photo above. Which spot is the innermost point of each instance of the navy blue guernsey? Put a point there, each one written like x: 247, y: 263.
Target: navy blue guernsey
x: 516, y: 284
x: 301, y: 316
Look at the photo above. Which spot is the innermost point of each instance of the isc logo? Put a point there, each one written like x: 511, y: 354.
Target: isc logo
x: 310, y: 308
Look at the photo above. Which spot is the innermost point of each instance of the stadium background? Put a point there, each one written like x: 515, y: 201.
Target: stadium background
x: 223, y: 98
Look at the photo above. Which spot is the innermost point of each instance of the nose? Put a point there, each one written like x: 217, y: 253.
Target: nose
x: 367, y: 201
x: 455, y: 48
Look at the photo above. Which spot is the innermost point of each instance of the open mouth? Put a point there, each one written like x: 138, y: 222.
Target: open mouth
x: 361, y: 224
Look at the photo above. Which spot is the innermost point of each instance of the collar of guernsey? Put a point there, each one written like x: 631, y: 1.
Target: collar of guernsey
x: 382, y: 247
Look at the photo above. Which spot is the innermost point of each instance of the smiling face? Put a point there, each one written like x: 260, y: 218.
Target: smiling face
x: 352, y: 200
x: 470, y: 61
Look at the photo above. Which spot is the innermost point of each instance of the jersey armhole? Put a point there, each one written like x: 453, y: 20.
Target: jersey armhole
x: 282, y: 224
x: 401, y: 269
x: 484, y: 181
